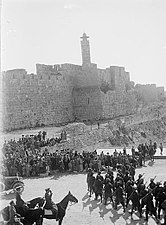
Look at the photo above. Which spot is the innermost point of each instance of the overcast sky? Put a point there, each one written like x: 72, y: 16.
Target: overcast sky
x: 129, y: 33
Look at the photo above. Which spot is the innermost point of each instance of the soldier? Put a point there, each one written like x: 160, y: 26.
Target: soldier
x: 14, y: 217
x: 127, y: 177
x: 158, y: 188
x: 134, y: 197
x: 119, y: 196
x: 164, y: 186
x: 19, y: 201
x: 132, y: 172
x: 164, y: 209
x: 48, y: 198
x: 119, y: 179
x: 98, y: 187
x: 133, y: 151
x: 161, y: 148
x: 88, y: 175
x: 91, y: 181
x: 152, y: 184
x: 151, y: 151
x: 108, y: 191
x: 129, y: 190
x: 160, y: 198
x: 150, y: 205
x: 143, y: 192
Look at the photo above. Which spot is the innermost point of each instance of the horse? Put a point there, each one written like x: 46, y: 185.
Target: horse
x: 28, y: 217
x: 39, y: 201
x: 29, y: 211
x: 58, y: 210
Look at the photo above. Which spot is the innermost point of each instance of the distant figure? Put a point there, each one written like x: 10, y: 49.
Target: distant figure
x: 133, y: 151
x: 98, y: 125
x: 124, y: 151
x: 161, y: 148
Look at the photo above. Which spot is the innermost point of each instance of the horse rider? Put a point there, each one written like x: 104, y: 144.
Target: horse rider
x: 14, y: 217
x: 48, y: 197
x: 19, y: 201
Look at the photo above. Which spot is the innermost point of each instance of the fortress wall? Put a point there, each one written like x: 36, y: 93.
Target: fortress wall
x: 120, y: 76
x: 160, y: 92
x: 66, y: 92
x: 116, y: 98
x: 116, y: 105
x: 149, y: 92
x: 87, y: 103
x: 33, y: 100
x: 87, y: 76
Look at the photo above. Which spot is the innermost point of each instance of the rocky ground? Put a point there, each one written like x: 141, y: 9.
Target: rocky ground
x: 149, y: 123
x: 87, y: 211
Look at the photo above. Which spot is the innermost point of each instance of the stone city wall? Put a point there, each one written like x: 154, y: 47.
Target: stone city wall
x: 64, y: 93
x: 35, y: 100
x: 149, y: 92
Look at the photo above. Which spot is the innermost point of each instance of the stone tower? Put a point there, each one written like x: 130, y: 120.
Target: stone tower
x: 85, y: 48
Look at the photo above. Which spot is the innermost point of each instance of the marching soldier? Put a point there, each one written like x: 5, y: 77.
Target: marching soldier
x: 150, y: 205
x: 108, y: 191
x: 98, y: 187
x: 152, y: 184
x: 119, y: 196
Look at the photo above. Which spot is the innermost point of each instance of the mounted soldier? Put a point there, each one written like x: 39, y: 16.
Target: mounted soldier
x: 14, y: 217
x: 19, y: 201
x: 48, y: 197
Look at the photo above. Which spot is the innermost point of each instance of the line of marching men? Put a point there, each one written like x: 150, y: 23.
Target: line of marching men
x: 124, y: 189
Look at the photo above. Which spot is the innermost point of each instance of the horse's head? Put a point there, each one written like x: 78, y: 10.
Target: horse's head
x: 72, y: 198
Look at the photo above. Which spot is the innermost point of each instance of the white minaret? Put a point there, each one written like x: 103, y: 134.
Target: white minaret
x: 85, y: 48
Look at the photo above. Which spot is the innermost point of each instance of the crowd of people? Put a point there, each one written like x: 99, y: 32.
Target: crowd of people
x: 124, y: 189
x: 25, y: 157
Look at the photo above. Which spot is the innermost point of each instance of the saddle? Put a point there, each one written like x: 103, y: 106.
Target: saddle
x: 52, y: 212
